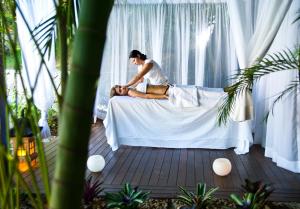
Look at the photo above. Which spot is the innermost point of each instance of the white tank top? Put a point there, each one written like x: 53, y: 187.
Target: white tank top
x: 154, y: 75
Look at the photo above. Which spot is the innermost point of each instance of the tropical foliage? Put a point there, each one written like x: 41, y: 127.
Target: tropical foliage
x: 244, y: 80
x: 11, y: 179
x: 255, y: 197
x: 258, y: 187
x: 62, y: 23
x: 127, y: 198
x: 248, y: 201
x: 76, y: 101
x: 67, y: 188
x: 92, y: 190
x: 199, y: 200
x: 285, y: 60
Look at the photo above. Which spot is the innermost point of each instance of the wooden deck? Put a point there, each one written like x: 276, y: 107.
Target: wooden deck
x: 161, y: 170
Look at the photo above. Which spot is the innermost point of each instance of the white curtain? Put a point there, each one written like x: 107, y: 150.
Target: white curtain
x: 254, y: 25
x: 253, y: 34
x: 36, y: 11
x: 191, y: 42
x: 166, y: 1
x: 280, y: 135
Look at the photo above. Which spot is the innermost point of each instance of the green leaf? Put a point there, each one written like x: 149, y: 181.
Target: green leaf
x: 127, y: 188
x: 138, y: 201
x: 185, y: 199
x: 185, y: 192
x: 133, y: 196
x: 202, y: 188
x: 237, y: 200
x: 249, y: 198
x: 210, y: 192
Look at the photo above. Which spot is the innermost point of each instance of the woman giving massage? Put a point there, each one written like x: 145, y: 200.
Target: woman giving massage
x: 148, y: 70
x: 157, y: 86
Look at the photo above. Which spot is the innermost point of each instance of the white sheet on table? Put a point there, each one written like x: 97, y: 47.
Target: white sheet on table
x: 183, y: 96
x: 157, y: 123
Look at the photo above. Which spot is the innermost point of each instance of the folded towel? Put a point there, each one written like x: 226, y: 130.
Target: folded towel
x: 142, y: 87
x: 183, y: 96
x: 243, y: 107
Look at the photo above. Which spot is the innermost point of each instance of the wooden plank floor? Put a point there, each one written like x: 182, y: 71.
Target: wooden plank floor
x: 161, y: 170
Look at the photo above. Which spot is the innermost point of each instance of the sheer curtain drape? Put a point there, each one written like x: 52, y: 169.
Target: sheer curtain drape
x: 254, y: 25
x: 253, y: 34
x: 191, y: 41
x: 195, y: 44
x: 36, y: 11
x: 281, y: 134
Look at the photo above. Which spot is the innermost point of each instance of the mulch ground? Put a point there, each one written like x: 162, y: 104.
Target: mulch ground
x: 217, y: 204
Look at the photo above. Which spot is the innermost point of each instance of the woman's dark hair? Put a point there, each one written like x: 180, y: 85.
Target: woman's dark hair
x: 135, y: 53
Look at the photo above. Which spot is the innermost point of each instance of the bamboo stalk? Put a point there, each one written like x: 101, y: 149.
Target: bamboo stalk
x: 74, y: 128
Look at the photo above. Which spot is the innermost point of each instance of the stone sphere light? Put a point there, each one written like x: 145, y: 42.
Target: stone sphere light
x: 222, y: 166
x: 95, y: 163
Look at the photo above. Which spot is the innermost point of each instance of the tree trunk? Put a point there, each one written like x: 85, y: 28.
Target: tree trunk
x: 67, y: 185
x: 2, y: 96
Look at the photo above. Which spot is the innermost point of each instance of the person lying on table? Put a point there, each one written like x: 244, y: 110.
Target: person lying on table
x: 183, y: 96
x: 146, y: 91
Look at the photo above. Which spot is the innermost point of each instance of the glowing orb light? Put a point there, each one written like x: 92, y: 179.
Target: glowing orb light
x: 95, y: 163
x: 222, y: 166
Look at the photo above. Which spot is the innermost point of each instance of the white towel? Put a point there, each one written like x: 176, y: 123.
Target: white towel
x: 243, y: 107
x: 142, y: 87
x: 183, y: 96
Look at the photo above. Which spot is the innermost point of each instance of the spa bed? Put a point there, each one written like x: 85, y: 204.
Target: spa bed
x: 158, y: 123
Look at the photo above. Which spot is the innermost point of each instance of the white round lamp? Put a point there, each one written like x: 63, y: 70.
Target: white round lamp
x: 222, y: 166
x: 95, y: 163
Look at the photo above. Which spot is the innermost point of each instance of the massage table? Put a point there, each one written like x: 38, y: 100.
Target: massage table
x: 158, y: 123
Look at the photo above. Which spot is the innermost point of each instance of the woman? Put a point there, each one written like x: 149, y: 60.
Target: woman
x: 150, y: 92
x: 147, y: 69
x: 178, y: 96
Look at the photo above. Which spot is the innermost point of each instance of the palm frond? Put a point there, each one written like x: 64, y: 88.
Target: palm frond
x: 44, y: 34
x: 225, y: 109
x: 41, y: 56
x: 280, y: 61
x: 298, y: 17
x: 227, y: 106
x: 285, y: 60
x: 292, y: 87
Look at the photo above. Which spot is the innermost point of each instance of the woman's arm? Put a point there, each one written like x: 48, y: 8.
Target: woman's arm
x: 139, y: 81
x: 134, y: 93
x: 146, y: 68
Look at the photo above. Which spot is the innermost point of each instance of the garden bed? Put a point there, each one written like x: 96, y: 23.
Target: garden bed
x: 217, y: 204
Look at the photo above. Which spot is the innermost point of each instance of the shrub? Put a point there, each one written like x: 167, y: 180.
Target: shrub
x: 127, y: 198
x: 199, y: 200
